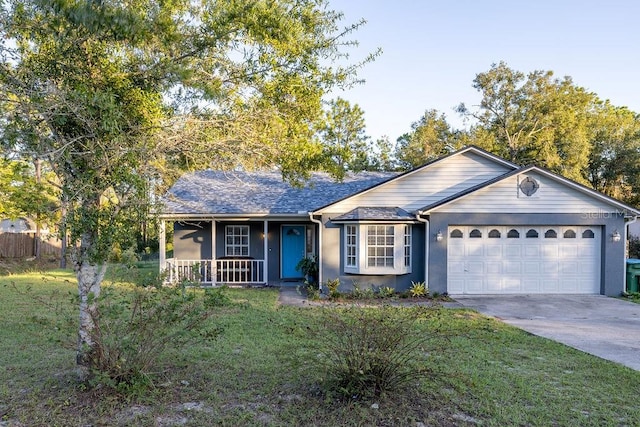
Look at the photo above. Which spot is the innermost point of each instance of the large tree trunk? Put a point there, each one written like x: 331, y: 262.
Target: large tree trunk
x: 89, y: 275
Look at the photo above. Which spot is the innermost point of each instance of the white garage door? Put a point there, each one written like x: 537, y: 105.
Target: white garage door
x: 523, y: 260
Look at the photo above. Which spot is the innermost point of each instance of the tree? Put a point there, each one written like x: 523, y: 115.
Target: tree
x: 534, y: 118
x: 23, y: 194
x: 429, y: 138
x: 381, y: 156
x: 614, y: 162
x: 115, y: 95
x: 343, y: 138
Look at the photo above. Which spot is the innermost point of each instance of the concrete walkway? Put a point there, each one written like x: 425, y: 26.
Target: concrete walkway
x: 605, y: 327
x: 289, y: 295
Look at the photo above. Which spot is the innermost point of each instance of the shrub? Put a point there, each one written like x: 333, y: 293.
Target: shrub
x: 311, y: 289
x: 136, y: 326
x: 418, y: 289
x: 308, y: 266
x: 634, y: 247
x: 129, y: 257
x: 362, y: 292
x: 332, y: 287
x: 386, y: 292
x: 369, y: 352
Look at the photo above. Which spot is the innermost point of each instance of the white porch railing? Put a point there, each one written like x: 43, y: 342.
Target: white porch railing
x: 216, y: 272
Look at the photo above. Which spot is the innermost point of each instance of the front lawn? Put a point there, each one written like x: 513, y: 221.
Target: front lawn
x: 263, y: 370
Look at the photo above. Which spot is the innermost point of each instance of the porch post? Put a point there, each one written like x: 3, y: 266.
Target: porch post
x: 265, y: 241
x: 214, y: 271
x: 163, y: 246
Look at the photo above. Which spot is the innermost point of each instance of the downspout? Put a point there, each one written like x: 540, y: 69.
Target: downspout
x: 426, y: 246
x: 319, y: 222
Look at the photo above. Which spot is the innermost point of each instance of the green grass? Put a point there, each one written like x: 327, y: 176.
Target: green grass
x: 263, y: 371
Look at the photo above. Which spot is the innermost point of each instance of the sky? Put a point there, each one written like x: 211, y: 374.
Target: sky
x: 433, y: 49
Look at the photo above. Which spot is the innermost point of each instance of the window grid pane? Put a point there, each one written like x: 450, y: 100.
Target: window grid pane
x: 352, y: 255
x: 407, y: 246
x: 380, y: 246
x: 237, y: 241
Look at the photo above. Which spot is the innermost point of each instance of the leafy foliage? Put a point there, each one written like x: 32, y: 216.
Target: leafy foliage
x: 118, y: 97
x: 418, y: 289
x: 136, y: 326
x: 430, y: 137
x: 369, y: 352
x: 23, y: 194
x: 333, y: 286
x: 634, y: 247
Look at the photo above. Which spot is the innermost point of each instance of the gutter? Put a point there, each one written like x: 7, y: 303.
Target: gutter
x: 319, y: 222
x: 427, y: 232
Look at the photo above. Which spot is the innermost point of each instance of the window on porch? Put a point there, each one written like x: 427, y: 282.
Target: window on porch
x: 237, y: 240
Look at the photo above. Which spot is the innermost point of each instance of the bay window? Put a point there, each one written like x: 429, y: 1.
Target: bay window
x: 377, y: 249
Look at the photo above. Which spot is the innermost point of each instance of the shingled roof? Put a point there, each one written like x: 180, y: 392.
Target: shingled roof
x: 218, y: 192
x: 372, y: 213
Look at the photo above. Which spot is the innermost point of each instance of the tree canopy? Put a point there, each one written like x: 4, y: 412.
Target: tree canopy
x: 536, y: 118
x: 115, y: 95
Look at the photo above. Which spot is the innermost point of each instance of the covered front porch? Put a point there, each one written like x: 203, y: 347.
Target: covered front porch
x: 236, y: 251
x: 214, y: 272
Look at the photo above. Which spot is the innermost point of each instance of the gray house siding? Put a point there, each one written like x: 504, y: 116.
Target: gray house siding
x: 192, y: 240
x: 612, y: 262
x: 333, y: 261
x: 256, y: 248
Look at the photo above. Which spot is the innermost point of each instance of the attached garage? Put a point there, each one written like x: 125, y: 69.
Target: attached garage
x: 524, y: 259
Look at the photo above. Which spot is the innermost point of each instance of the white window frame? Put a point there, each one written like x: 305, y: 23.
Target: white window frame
x: 407, y: 245
x: 243, y: 231
x: 351, y: 246
x: 402, y: 249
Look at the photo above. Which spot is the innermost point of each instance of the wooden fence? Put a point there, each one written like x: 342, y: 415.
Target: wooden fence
x: 22, y: 245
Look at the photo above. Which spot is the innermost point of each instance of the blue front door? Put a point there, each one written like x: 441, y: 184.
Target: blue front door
x: 293, y: 250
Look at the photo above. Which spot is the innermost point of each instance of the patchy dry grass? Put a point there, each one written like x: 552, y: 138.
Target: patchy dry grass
x: 263, y: 370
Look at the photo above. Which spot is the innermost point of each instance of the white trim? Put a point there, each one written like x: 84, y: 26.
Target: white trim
x: 162, y: 241
x: 362, y: 265
x: 265, y: 248
x: 232, y: 217
x: 241, y: 227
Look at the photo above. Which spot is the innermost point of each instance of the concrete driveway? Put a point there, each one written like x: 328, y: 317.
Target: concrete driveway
x: 605, y: 327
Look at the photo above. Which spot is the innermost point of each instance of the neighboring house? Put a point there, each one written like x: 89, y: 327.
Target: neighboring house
x: 467, y: 223
x: 20, y: 225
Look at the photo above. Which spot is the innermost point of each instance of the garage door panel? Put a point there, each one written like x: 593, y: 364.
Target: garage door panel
x: 493, y: 285
x: 532, y: 267
x: 513, y: 251
x: 512, y: 284
x: 532, y: 250
x: 568, y: 251
x: 550, y: 284
x: 473, y: 284
x: 475, y: 250
x: 569, y: 267
x: 551, y: 267
x: 494, y: 267
x: 531, y: 284
x: 512, y: 267
x: 493, y: 250
x: 549, y: 263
